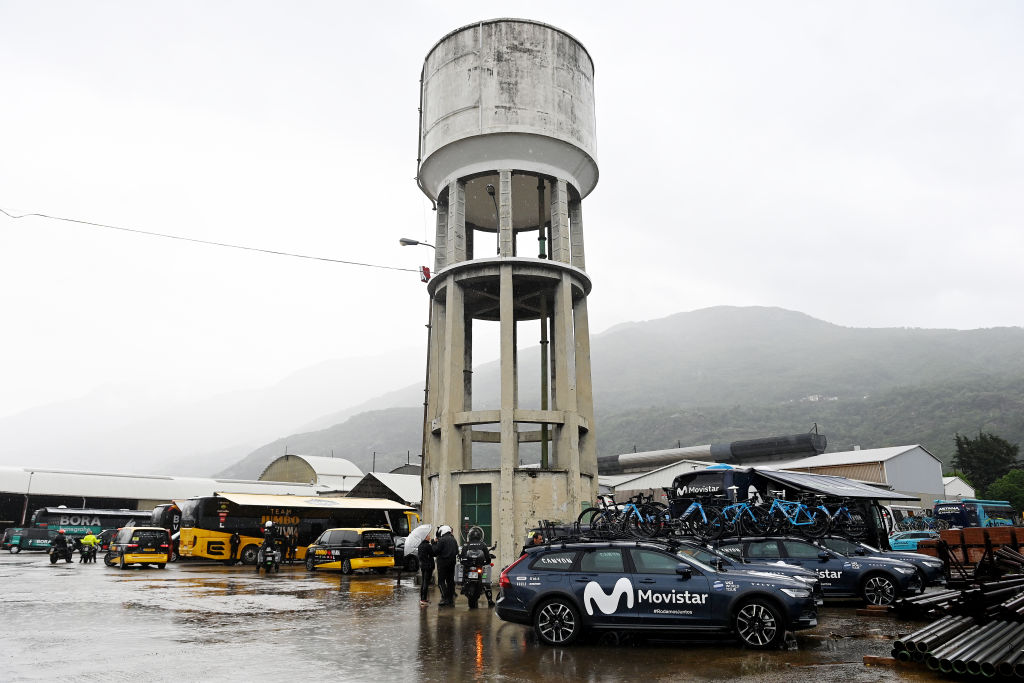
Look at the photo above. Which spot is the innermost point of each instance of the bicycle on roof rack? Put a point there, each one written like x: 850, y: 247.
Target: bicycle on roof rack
x: 639, y: 517
x: 842, y: 520
x: 743, y: 518
x: 785, y: 515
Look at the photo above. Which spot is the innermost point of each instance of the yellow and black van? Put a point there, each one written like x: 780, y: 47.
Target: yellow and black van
x: 139, y: 545
x: 352, y: 549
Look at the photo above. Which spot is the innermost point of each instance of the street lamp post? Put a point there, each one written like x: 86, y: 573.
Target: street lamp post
x: 407, y: 242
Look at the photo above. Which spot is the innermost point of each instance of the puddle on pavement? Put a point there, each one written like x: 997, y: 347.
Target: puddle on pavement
x: 229, y: 622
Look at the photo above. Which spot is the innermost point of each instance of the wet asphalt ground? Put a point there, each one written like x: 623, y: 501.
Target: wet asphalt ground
x: 195, y: 621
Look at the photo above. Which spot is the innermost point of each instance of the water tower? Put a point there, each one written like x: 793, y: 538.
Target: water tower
x: 506, y: 154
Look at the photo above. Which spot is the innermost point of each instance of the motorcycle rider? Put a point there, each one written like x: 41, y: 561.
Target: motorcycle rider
x: 475, y: 541
x: 60, y: 544
x: 447, y: 551
x: 89, y: 542
x: 269, y: 543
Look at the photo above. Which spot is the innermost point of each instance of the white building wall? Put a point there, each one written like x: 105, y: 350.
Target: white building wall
x: 916, y: 472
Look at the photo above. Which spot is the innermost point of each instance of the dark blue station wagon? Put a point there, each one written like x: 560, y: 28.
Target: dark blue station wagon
x: 566, y: 589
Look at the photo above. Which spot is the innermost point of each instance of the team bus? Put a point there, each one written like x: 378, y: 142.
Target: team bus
x: 975, y: 512
x: 209, y: 522
x: 81, y: 521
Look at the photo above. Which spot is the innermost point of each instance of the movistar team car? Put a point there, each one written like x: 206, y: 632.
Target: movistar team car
x: 930, y: 568
x: 878, y: 580
x: 719, y: 560
x: 564, y: 589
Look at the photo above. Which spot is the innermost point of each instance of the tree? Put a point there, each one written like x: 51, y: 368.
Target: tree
x: 985, y: 458
x: 1009, y: 487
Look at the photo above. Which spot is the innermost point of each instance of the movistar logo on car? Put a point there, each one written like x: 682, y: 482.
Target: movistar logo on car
x: 593, y: 595
x: 829, y: 574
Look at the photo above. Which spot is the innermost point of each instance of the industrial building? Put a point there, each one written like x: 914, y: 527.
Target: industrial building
x: 25, y: 489
x: 331, y: 476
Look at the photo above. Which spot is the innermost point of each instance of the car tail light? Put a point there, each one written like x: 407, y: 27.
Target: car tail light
x: 163, y: 545
x: 503, y: 581
x: 131, y: 545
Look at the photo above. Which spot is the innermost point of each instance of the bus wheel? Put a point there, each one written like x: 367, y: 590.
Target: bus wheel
x: 250, y: 554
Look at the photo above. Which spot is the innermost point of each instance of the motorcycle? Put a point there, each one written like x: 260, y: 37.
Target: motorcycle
x: 474, y: 557
x: 60, y: 552
x: 88, y: 553
x: 269, y: 558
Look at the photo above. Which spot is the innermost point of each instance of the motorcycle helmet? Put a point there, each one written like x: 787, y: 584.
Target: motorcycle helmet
x: 475, y: 535
x: 61, y: 531
x: 268, y: 525
x: 443, y: 529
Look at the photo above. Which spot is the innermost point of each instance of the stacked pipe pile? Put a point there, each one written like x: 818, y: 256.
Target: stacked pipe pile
x: 979, y: 630
x: 986, y: 600
x: 961, y: 645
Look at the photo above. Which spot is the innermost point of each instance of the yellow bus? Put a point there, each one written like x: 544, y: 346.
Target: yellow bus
x: 209, y: 522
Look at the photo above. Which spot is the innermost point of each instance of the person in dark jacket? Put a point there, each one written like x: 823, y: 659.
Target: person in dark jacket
x: 446, y: 552
x: 235, y: 541
x: 425, y: 554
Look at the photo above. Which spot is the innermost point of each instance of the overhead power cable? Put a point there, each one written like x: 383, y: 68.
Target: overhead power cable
x: 208, y: 242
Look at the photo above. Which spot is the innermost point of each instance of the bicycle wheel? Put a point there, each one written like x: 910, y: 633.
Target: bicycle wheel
x: 814, y: 523
x: 754, y: 521
x: 940, y: 524
x: 603, y: 525
x: 587, y: 516
x: 710, y: 529
x: 653, y: 520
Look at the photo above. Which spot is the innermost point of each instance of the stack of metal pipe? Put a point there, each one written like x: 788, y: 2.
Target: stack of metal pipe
x: 962, y: 646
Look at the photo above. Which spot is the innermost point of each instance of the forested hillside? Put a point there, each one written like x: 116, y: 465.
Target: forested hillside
x: 725, y: 373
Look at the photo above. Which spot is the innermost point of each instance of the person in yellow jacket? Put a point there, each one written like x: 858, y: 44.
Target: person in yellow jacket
x: 89, y: 543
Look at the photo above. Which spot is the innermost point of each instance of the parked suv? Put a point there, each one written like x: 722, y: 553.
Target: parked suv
x: 139, y: 545
x: 352, y: 549
x: 567, y: 589
x: 931, y: 569
x: 878, y: 580
x: 719, y: 560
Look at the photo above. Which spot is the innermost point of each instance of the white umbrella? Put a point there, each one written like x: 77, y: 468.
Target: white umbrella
x: 415, y: 537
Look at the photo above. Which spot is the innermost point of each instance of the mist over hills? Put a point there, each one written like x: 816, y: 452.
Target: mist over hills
x: 728, y: 373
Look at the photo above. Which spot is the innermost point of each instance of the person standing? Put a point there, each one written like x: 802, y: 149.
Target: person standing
x: 236, y: 540
x: 425, y: 555
x: 446, y: 552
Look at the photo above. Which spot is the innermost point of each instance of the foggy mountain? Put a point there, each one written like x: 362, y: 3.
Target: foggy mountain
x: 123, y: 429
x: 726, y: 373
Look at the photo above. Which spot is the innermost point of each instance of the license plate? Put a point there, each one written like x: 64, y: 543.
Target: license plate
x: 473, y: 575
x: 378, y: 552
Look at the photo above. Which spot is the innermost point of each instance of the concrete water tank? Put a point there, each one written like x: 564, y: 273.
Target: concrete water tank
x: 507, y: 93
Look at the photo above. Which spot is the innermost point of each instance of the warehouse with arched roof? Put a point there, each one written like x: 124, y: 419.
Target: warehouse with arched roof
x: 329, y: 475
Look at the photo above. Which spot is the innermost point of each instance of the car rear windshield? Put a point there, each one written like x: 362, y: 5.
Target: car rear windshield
x: 149, y: 538
x: 377, y: 538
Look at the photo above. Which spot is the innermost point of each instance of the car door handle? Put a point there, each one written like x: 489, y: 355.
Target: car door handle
x: 646, y: 581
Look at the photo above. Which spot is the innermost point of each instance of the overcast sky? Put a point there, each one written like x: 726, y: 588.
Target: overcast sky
x: 857, y: 161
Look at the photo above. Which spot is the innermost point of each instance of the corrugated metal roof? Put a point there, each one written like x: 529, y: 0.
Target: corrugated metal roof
x: 329, y: 467
x: 315, y: 502
x: 37, y: 481
x: 849, y: 457
x: 408, y: 486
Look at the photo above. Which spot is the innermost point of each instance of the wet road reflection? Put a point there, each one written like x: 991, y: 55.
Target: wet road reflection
x: 192, y: 621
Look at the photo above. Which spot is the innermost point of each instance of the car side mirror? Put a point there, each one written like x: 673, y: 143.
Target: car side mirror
x: 824, y: 556
x: 684, y: 571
